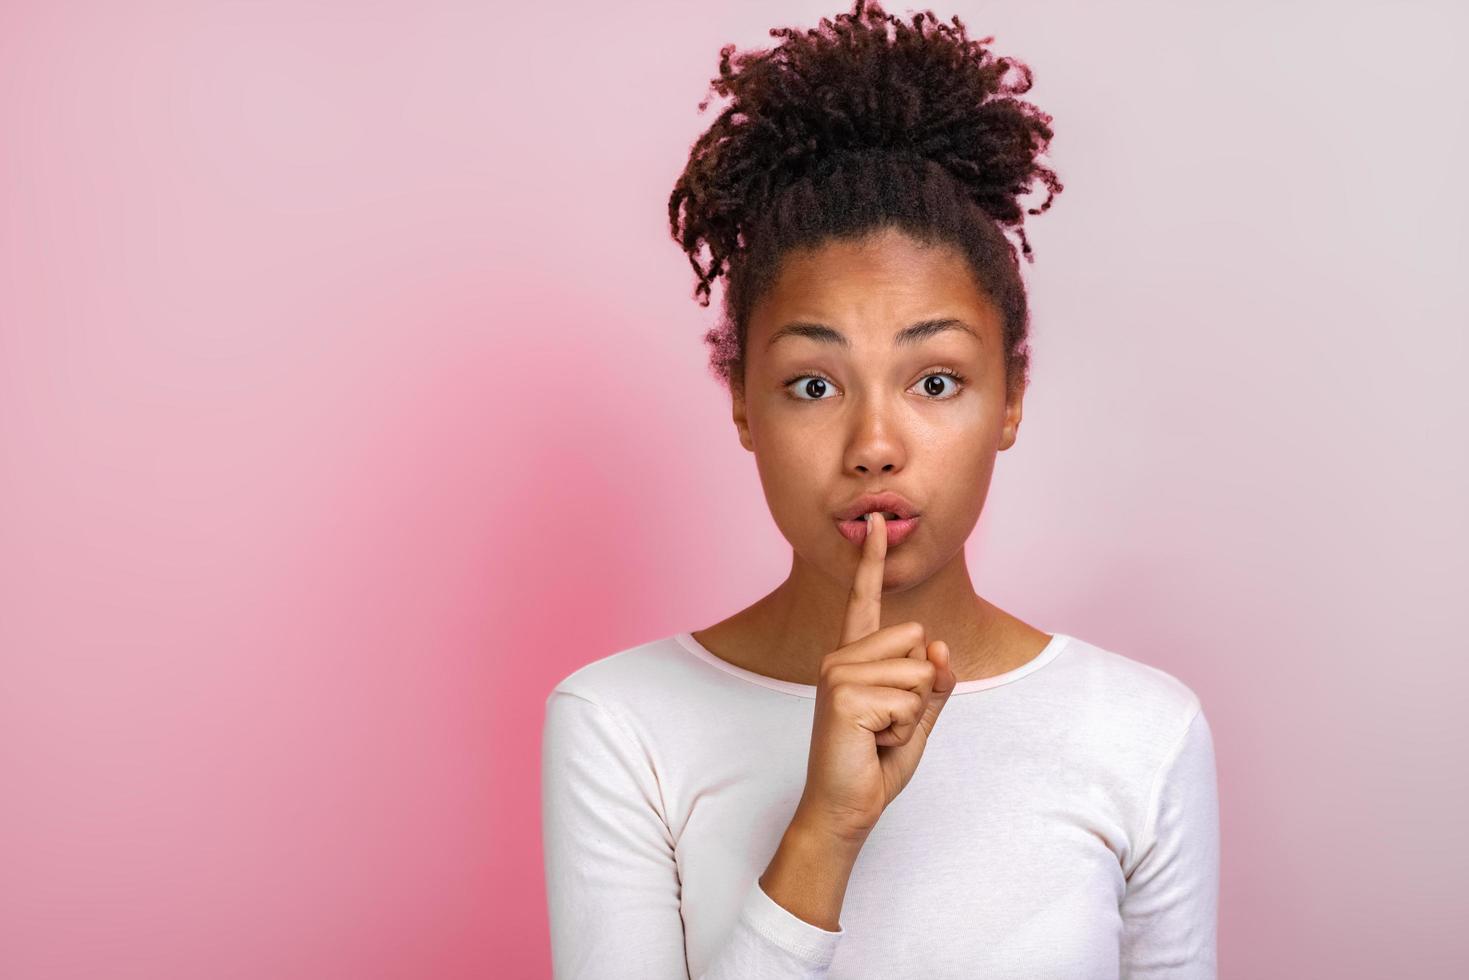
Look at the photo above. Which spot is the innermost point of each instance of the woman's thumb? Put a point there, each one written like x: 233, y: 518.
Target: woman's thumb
x: 938, y: 652
x: 938, y: 655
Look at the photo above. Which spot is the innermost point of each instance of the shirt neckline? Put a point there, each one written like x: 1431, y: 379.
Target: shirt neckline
x: 1049, y: 652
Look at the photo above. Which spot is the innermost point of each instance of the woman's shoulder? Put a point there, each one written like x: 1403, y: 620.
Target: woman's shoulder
x: 625, y: 674
x: 1136, y: 671
x: 1126, y: 689
x: 657, y: 693
x: 1122, y: 717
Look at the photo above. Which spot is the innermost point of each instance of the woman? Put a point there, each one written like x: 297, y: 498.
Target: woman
x: 711, y: 800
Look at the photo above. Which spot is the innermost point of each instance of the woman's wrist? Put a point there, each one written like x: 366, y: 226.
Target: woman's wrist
x: 808, y: 874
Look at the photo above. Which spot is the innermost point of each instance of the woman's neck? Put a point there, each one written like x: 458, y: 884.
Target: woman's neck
x: 786, y: 633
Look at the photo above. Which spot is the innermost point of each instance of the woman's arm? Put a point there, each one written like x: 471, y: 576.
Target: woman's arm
x: 1170, y: 910
x: 611, y: 881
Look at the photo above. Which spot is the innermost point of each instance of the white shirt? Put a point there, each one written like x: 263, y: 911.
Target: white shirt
x: 1063, y: 822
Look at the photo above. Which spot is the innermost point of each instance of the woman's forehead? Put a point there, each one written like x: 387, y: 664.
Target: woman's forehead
x: 856, y: 291
x: 889, y: 251
x: 888, y: 267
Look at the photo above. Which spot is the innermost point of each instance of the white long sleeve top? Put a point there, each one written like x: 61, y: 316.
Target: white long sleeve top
x: 1062, y: 823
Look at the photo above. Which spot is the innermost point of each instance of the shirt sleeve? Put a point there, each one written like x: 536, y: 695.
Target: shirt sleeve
x: 612, y: 885
x: 1170, y: 909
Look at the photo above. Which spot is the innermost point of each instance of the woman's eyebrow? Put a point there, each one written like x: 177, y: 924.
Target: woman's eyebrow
x: 824, y: 334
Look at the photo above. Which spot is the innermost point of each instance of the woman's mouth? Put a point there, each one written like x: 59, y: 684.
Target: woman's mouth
x: 856, y: 531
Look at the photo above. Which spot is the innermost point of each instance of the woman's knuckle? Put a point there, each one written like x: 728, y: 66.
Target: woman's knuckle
x: 842, y: 696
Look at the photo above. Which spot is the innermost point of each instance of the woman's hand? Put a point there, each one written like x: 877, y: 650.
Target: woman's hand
x: 878, y: 698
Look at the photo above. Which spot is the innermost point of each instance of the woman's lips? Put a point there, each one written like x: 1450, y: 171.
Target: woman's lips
x: 856, y: 531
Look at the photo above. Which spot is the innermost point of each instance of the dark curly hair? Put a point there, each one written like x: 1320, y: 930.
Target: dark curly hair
x: 849, y: 128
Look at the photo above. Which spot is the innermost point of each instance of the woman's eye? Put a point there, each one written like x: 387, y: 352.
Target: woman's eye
x: 935, y: 389
x: 812, y: 385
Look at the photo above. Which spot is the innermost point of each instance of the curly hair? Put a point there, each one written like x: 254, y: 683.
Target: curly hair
x: 862, y: 123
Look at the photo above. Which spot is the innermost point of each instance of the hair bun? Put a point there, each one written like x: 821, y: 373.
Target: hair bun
x: 861, y: 84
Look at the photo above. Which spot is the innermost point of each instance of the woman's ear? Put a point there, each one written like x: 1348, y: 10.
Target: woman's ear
x: 742, y: 425
x: 1011, y: 428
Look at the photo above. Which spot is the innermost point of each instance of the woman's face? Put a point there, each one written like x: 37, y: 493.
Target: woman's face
x: 889, y: 417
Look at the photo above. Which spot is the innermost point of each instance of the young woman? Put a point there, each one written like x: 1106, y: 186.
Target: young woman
x: 725, y: 803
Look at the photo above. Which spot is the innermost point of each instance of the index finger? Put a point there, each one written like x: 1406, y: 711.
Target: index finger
x: 864, y: 607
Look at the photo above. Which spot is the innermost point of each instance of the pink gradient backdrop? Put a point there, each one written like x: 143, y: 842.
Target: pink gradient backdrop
x: 351, y: 394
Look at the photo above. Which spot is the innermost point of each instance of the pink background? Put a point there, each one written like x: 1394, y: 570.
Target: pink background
x: 352, y: 394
